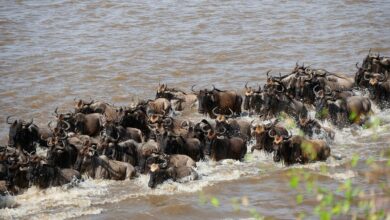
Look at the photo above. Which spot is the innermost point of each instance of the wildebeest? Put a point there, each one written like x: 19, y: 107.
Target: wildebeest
x: 179, y: 99
x: 89, y: 124
x: 113, y: 132
x: 23, y: 135
x: 297, y: 149
x: 222, y: 147
x: 264, y: 135
x: 44, y: 175
x: 253, y: 100
x: 226, y: 101
x: 60, y: 153
x: 171, y: 143
x: 311, y: 126
x: 342, y: 111
x: 277, y: 101
x: 135, y: 118
x: 158, y: 106
x: 372, y: 64
x: 100, y: 167
x: 233, y: 127
x: 110, y: 112
x: 379, y: 88
x: 175, y: 167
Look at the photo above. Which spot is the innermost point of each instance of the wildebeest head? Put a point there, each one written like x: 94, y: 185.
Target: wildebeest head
x: 158, y: 175
x: 303, y: 86
x: 23, y: 134
x: 79, y: 122
x: 248, y: 97
x: 110, y: 132
x: 40, y: 173
x: 164, y: 92
x: 56, y: 154
x: 283, y: 148
x: 134, y: 117
x: 257, y: 100
x: 206, y: 100
x: 321, y: 102
x: 84, y: 107
x: 375, y: 78
x: 84, y: 159
x: 64, y: 121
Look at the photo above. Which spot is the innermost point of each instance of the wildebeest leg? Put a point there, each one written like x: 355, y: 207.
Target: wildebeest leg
x: 256, y: 147
x: 130, y: 172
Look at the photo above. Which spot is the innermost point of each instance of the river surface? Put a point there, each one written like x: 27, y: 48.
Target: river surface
x: 52, y: 51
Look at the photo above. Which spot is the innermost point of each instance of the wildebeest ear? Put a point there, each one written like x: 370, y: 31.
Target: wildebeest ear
x: 79, y: 104
x: 61, y: 117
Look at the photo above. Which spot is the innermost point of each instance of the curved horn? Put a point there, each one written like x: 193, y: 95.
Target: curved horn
x: 8, y: 119
x: 310, y: 73
x: 63, y: 137
x: 366, y: 76
x: 49, y: 125
x: 280, y: 91
x: 357, y: 65
x: 56, y: 112
x: 251, y: 124
x: 246, y: 85
x: 328, y: 90
x: 213, y: 111
x: 169, y: 121
x: 288, y: 136
x: 187, y: 124
x: 67, y: 125
x: 192, y: 88
x: 382, y: 77
x: 231, y: 113
x: 268, y: 73
x: 315, y: 91
x: 223, y: 130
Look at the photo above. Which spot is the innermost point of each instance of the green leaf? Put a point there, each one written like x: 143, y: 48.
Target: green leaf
x: 301, y: 215
x: 299, y: 199
x: 328, y: 199
x: 346, y: 207
x: 255, y: 214
x: 294, y: 181
x: 370, y: 160
x: 309, y: 186
x: 337, y: 209
x: 355, y: 159
x: 352, y: 116
x: 214, y: 201
x: 325, y: 215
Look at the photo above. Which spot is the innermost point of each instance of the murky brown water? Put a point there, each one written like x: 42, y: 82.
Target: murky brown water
x: 54, y: 51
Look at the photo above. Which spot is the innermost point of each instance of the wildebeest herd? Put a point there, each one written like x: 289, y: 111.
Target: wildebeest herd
x: 102, y: 141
